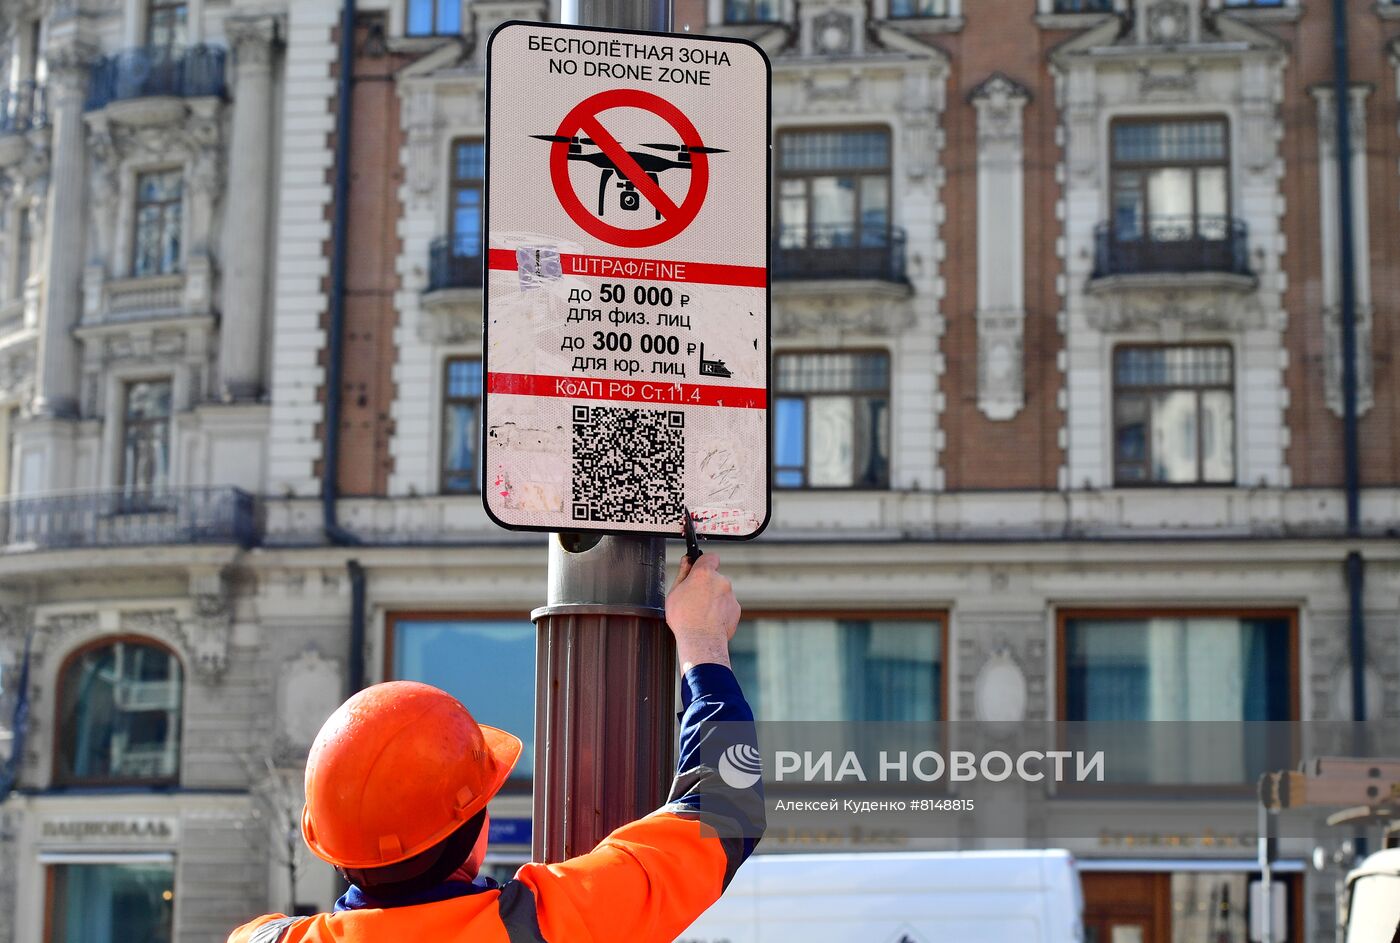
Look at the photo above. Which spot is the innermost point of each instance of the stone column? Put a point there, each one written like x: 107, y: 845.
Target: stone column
x: 56, y: 386
x: 245, y: 242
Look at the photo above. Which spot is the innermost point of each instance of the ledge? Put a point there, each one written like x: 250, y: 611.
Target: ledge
x: 183, y: 320
x: 926, y: 24
x: 450, y: 316
x: 1288, y: 14
x: 146, y: 112
x: 1070, y: 20
x: 1173, y: 281
x: 825, y: 287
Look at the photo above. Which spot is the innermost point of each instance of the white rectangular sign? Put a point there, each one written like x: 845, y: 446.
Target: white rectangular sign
x: 626, y: 311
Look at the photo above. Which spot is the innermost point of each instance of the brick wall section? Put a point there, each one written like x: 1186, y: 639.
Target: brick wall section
x: 1315, y: 451
x: 368, y: 388
x: 1023, y: 452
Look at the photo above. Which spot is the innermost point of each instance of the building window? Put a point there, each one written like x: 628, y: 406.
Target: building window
x: 751, y: 11
x: 96, y: 903
x: 1083, y: 6
x: 1126, y: 669
x: 488, y: 664
x: 842, y: 668
x: 904, y: 9
x: 461, y: 413
x: 1171, y: 180
x: 832, y: 424
x: 119, y: 714
x: 468, y: 173
x: 159, y: 215
x: 167, y: 24
x: 834, y: 188
x: 434, y: 17
x: 1173, y: 415
x: 146, y: 437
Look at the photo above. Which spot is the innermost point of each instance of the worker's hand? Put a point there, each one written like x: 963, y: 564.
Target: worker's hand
x: 702, y: 613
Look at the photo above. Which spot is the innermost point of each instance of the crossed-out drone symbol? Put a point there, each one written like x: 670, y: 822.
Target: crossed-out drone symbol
x: 653, y: 165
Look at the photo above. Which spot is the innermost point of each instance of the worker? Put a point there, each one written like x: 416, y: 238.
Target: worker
x: 397, y: 784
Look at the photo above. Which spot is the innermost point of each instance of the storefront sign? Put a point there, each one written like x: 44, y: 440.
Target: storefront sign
x: 126, y: 829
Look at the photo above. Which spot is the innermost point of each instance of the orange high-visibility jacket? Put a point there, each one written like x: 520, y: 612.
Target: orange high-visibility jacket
x: 645, y: 882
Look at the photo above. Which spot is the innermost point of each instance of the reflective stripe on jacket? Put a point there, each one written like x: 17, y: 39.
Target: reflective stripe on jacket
x: 647, y: 881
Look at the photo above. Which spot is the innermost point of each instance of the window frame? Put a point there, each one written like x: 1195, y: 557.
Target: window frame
x: 1143, y: 167
x: 137, y: 203
x: 778, y: 393
x: 1232, y: 388
x: 51, y: 882
x: 1063, y: 616
x: 726, y: 20
x: 125, y: 385
x: 780, y: 175
x: 457, y: 183
x: 515, y: 785
x: 447, y: 400
x: 154, y: 7
x: 949, y: 10
x: 941, y: 616
x: 57, y: 774
x: 436, y: 29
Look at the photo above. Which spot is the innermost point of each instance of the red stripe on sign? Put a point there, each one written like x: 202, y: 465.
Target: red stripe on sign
x: 636, y: 391
x: 655, y: 270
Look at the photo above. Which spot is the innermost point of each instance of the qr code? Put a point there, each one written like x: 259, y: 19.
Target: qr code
x: 628, y: 464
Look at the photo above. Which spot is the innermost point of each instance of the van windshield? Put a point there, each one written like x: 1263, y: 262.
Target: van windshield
x: 1374, y: 914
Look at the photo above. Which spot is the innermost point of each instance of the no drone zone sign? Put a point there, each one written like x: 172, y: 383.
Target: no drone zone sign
x: 626, y: 317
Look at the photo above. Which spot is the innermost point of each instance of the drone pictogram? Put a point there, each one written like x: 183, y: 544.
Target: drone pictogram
x: 653, y: 165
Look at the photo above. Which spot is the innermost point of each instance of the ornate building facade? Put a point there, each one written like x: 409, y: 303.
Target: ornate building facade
x: 1057, y: 398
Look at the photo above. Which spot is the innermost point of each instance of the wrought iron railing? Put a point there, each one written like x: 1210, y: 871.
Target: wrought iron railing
x: 119, y: 518
x: 150, y: 71
x: 22, y: 108
x: 831, y: 252
x: 450, y: 269
x: 1083, y: 6
x: 1173, y: 244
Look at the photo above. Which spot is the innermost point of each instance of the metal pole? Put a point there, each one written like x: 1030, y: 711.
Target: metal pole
x: 605, y: 661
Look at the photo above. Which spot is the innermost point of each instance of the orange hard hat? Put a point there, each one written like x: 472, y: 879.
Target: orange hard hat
x: 396, y: 769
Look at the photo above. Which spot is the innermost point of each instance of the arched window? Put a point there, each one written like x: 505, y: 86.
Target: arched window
x: 119, y: 714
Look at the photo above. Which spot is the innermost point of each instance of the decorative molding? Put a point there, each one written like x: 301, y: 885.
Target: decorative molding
x: 833, y: 33
x: 1000, y: 102
x: 1332, y: 359
x: 1172, y: 307
x: 838, y: 313
x: 253, y: 40
x: 309, y: 688
x: 1170, y: 22
x: 450, y: 316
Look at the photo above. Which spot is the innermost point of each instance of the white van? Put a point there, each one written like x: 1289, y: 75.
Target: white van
x: 1373, y: 899
x: 913, y: 897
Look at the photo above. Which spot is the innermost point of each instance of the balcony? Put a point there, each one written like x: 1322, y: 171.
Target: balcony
x: 1176, y: 275
x: 449, y: 269
x: 21, y: 111
x: 117, y: 518
x: 1173, y: 246
x: 157, y: 72
x: 452, y: 300
x: 827, y: 253
x: 22, y: 108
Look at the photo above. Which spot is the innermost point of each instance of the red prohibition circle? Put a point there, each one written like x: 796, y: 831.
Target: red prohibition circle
x: 582, y: 121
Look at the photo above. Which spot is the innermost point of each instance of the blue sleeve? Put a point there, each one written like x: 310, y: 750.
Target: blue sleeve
x: 718, y: 767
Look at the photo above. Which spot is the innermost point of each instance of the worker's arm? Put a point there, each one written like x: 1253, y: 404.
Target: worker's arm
x: 650, y: 879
